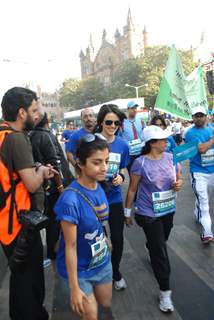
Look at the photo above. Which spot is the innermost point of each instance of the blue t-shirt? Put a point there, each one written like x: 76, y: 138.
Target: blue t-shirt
x: 127, y: 133
x: 170, y: 144
x: 211, y: 125
x: 92, y: 250
x: 118, y: 159
x: 201, y: 162
x: 66, y: 135
x: 73, y: 141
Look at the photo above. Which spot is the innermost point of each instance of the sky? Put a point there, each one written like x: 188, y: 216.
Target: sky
x: 41, y: 39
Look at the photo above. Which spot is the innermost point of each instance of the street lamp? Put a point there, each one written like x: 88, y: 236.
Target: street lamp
x: 136, y: 88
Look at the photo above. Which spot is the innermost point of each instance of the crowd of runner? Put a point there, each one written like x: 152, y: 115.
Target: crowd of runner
x: 87, y: 212
x: 145, y: 151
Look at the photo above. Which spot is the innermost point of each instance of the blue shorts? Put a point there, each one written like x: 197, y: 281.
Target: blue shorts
x: 104, y: 276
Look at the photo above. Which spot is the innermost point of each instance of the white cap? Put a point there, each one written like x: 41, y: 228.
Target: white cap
x: 154, y: 132
x: 199, y: 109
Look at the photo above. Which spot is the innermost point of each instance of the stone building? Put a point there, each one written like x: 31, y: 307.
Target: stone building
x: 130, y: 44
x: 51, y: 105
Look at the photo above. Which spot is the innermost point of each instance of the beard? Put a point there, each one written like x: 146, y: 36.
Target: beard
x: 29, y: 124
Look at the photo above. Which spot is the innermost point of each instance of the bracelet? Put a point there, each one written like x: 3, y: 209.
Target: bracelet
x: 127, y: 212
x: 122, y: 176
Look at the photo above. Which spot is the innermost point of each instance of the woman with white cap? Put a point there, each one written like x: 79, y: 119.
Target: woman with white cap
x: 156, y: 181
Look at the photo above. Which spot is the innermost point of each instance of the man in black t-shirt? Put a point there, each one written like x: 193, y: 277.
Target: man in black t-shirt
x: 47, y: 150
x: 20, y: 113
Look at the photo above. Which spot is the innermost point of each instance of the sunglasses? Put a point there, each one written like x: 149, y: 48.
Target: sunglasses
x: 92, y: 137
x: 110, y: 122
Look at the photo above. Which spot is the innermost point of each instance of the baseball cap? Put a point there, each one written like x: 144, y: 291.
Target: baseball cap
x: 154, y: 132
x: 132, y: 104
x: 199, y: 109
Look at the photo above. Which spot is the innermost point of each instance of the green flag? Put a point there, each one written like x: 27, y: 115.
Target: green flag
x: 195, y: 89
x: 172, y: 97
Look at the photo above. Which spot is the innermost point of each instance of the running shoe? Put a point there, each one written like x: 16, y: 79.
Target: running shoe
x: 46, y: 263
x: 120, y: 285
x: 207, y: 239
x: 166, y: 304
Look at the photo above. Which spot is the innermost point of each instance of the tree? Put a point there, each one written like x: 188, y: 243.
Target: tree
x: 76, y: 94
x: 90, y: 92
x: 67, y: 93
x: 128, y: 72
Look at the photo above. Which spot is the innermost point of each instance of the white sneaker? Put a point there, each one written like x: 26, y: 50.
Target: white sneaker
x: 166, y: 304
x: 46, y: 262
x: 120, y: 285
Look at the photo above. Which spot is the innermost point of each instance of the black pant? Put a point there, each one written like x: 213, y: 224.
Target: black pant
x: 27, y: 288
x: 53, y: 227
x: 116, y: 224
x: 157, y: 232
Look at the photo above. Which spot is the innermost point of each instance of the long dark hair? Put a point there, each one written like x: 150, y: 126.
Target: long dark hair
x: 155, y: 118
x: 147, y: 148
x: 104, y: 110
x: 86, y: 149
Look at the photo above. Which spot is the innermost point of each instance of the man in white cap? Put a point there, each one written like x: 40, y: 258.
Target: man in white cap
x: 202, y: 169
x: 132, y: 132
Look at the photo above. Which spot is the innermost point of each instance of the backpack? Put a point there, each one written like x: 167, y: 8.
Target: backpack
x: 9, y: 226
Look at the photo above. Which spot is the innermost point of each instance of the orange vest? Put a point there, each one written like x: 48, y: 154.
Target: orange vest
x: 21, y: 196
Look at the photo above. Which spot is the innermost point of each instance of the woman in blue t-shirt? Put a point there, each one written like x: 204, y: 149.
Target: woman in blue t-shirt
x: 83, y: 258
x: 109, y: 120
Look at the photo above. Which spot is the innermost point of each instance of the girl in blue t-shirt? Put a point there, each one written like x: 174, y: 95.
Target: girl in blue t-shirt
x: 109, y: 120
x: 83, y: 258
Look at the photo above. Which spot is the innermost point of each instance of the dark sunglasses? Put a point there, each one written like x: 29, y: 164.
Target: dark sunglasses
x: 92, y: 137
x: 110, y: 122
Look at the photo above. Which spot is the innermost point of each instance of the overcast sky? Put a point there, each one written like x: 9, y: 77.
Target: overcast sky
x: 41, y: 39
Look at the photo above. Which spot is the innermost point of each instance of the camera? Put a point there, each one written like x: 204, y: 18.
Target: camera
x: 32, y: 219
x: 32, y: 222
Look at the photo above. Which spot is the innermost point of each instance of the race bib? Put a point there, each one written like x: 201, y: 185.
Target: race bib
x: 207, y: 159
x: 99, y: 250
x: 163, y: 202
x: 113, y: 165
x: 135, y: 147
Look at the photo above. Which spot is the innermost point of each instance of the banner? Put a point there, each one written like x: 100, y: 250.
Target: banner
x: 195, y: 89
x: 185, y: 151
x: 172, y: 97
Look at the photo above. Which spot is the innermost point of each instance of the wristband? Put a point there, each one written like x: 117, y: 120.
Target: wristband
x: 122, y: 176
x: 127, y: 212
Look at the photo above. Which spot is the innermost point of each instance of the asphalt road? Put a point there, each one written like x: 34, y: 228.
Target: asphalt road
x: 192, y: 274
